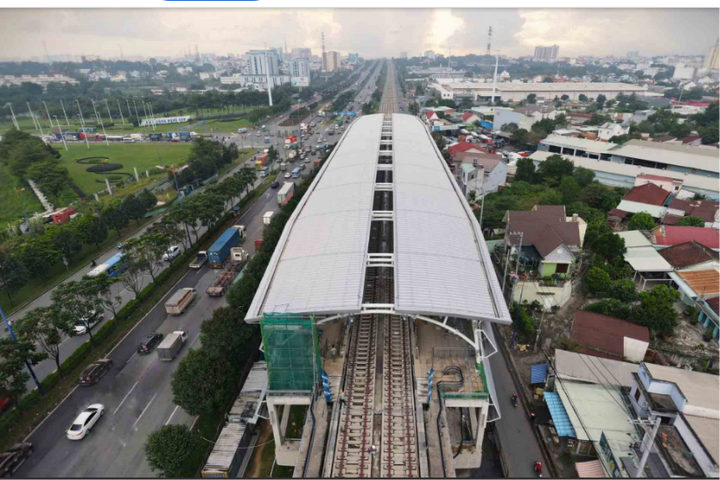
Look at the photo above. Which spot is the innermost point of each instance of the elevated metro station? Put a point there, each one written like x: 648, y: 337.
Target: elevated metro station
x: 375, y: 313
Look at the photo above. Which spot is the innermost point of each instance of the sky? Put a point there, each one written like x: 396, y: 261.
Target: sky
x: 370, y: 32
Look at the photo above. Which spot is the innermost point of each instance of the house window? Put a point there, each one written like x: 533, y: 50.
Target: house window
x: 637, y: 395
x: 562, y: 268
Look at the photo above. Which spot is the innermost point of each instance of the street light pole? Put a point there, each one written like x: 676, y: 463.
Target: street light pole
x: 27, y: 364
x: 182, y: 206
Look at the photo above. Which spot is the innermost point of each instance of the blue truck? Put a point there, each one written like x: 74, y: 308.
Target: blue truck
x: 220, y: 250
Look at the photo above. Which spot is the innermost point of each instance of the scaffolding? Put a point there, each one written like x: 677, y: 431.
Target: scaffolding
x: 292, y: 352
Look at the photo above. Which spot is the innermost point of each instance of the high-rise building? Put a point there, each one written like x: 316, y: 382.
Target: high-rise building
x: 259, y: 61
x: 711, y: 61
x: 403, y: 54
x: 632, y: 55
x: 300, y: 73
x: 332, y: 61
x: 430, y: 54
x: 546, y: 54
x: 301, y: 54
x: 353, y: 57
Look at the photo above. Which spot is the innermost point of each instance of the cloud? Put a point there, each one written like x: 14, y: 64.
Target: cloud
x: 370, y: 32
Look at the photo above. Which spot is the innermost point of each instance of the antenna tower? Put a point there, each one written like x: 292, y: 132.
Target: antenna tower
x: 197, y: 53
x: 489, y: 41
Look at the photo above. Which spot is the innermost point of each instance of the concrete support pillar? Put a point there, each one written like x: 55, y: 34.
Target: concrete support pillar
x: 275, y: 422
x: 480, y: 429
x: 285, y: 418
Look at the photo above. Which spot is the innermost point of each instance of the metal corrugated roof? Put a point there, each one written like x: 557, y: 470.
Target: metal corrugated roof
x: 441, y: 263
x: 226, y: 447
x: 538, y: 373
x: 646, y: 259
x: 559, y: 415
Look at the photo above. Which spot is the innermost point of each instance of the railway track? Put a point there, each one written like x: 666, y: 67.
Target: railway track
x: 397, y: 448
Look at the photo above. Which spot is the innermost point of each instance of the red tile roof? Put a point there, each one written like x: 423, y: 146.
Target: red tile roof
x: 691, y: 138
x: 605, y: 333
x: 670, y: 219
x: 688, y: 254
x: 464, y: 147
x: 657, y: 177
x: 673, y: 235
x: 678, y: 204
x: 430, y: 114
x: 649, y: 194
x: 467, y: 115
x: 615, y: 212
x: 714, y: 303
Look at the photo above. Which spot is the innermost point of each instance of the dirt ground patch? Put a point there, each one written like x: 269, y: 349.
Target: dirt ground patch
x: 255, y: 466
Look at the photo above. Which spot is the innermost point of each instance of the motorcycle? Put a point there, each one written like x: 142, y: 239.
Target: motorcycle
x: 514, y: 400
x: 537, y: 468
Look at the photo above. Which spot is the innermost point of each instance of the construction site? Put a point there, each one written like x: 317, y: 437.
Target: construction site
x: 376, y: 312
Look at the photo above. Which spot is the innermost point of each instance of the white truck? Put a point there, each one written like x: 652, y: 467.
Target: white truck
x: 171, y: 345
x: 200, y: 260
x: 137, y: 137
x: 267, y: 218
x: 180, y: 300
x: 292, y: 155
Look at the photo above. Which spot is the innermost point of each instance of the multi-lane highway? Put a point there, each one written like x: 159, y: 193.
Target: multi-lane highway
x: 136, y: 392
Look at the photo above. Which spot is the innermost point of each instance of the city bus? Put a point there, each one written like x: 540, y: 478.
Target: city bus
x: 296, y: 172
x: 114, y: 266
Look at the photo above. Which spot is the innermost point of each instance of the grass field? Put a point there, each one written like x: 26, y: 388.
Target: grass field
x: 26, y: 124
x: 11, y: 209
x: 143, y: 156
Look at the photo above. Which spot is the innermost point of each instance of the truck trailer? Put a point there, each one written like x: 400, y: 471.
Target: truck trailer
x: 239, y: 257
x: 285, y: 193
x: 171, y: 345
x: 180, y: 300
x: 218, y: 253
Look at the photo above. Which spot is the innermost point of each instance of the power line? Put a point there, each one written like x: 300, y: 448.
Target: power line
x: 601, y: 383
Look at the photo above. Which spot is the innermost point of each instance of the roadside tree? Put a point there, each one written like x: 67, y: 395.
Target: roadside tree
x: 42, y: 325
x: 175, y: 451
x: 92, y: 230
x: 13, y: 357
x: 201, y: 385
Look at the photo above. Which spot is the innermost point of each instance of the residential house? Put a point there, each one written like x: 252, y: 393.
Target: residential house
x: 693, y: 140
x: 609, y: 337
x: 664, y: 139
x: 524, y: 117
x: 470, y: 118
x: 645, y: 260
x: 695, y: 285
x: 461, y: 147
x: 608, y: 130
x: 431, y: 116
x: 709, y: 310
x: 691, y: 256
x: 550, y: 244
x: 482, y: 173
x: 685, y: 403
x: 708, y: 211
x: 664, y: 236
x: 648, y: 198
x: 672, y: 185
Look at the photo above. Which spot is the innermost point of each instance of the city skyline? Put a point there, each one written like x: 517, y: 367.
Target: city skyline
x: 112, y: 33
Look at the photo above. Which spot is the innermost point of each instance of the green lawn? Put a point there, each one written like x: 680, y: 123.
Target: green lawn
x: 11, y: 210
x: 144, y: 156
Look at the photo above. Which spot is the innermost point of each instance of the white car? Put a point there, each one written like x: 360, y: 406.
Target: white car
x: 82, y: 327
x: 171, y: 253
x: 288, y: 175
x: 85, y: 421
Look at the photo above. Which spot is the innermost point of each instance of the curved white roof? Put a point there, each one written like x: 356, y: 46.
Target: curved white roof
x: 441, y: 263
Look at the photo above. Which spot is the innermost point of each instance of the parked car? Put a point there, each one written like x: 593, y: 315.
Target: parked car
x: 275, y: 185
x: 81, y: 328
x: 95, y: 371
x: 147, y: 344
x: 85, y: 421
x: 171, y: 253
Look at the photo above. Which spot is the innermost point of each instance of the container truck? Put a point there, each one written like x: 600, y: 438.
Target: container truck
x: 136, y: 136
x: 285, y: 193
x: 180, y: 300
x: 218, y: 253
x: 292, y: 155
x: 171, y: 345
x: 239, y: 258
x: 200, y: 260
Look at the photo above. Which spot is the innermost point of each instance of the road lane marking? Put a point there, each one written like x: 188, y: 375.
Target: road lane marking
x: 151, y: 310
x: 50, y: 414
x: 193, y: 424
x: 128, y: 394
x: 173, y: 413
x: 143, y: 412
x: 131, y: 357
x: 196, y: 337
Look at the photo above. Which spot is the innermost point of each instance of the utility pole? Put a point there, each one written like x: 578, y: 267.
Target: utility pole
x: 646, y: 453
x: 120, y: 109
x: 492, y: 99
x: 517, y: 264
x: 267, y: 73
x: 108, y: 109
x: 102, y: 125
x: 182, y: 206
x: 517, y: 314
x: 37, y: 120
x: 82, y: 122
x: 67, y: 122
x: 15, y: 122
x: 62, y: 135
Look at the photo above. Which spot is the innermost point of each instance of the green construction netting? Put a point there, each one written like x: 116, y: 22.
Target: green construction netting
x: 290, y: 343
